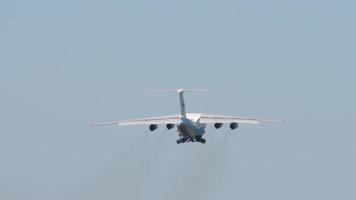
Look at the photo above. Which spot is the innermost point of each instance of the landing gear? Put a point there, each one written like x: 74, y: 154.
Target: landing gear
x: 200, y: 139
x: 197, y: 139
x: 181, y: 140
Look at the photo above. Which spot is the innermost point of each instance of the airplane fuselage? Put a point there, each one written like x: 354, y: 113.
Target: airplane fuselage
x: 190, y: 131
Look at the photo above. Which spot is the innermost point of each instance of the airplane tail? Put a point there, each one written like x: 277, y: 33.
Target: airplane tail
x: 181, y: 97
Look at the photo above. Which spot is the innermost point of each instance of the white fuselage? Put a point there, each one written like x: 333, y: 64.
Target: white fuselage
x: 189, y: 129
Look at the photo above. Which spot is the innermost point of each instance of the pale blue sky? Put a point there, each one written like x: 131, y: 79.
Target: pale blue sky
x: 65, y: 64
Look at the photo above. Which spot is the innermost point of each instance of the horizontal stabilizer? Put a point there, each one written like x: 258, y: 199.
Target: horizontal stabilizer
x: 179, y: 90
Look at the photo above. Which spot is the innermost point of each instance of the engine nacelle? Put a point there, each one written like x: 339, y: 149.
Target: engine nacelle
x: 170, y: 126
x: 218, y: 125
x: 234, y: 126
x: 153, y: 127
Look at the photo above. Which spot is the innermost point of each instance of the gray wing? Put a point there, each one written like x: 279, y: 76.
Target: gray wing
x: 171, y: 119
x: 212, y: 118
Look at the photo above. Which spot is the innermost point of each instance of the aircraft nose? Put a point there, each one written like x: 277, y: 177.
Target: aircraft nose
x: 180, y: 123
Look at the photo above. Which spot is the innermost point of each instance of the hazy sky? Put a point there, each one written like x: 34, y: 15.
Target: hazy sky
x: 66, y: 64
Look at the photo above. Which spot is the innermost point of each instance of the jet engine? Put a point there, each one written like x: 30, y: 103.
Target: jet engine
x: 234, y: 125
x: 218, y: 125
x: 170, y: 126
x: 153, y: 127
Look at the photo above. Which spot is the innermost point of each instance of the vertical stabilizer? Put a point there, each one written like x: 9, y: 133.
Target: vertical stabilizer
x: 182, y: 103
x: 181, y: 98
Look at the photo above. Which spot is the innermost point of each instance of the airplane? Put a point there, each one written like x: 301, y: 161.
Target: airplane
x: 190, y: 126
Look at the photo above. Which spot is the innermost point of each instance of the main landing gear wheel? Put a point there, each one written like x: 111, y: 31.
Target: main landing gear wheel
x: 181, y: 140
x: 200, y: 139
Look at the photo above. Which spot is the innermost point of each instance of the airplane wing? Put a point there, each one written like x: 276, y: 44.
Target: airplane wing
x: 212, y: 118
x: 171, y: 119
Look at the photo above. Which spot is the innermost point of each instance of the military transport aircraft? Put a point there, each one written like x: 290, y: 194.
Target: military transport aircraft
x: 190, y: 126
